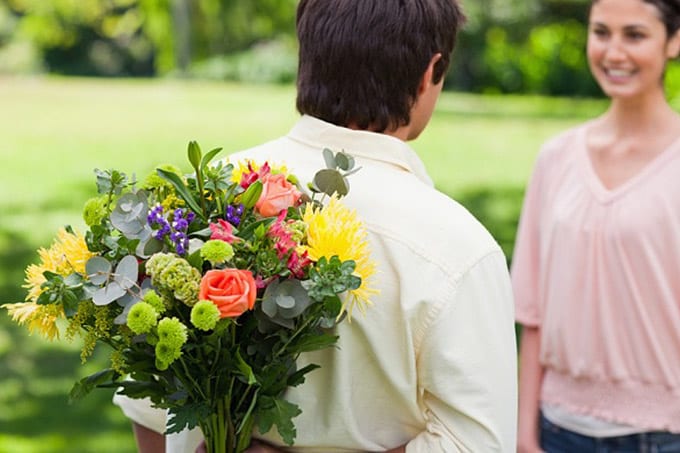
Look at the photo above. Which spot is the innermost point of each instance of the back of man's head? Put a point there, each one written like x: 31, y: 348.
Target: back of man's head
x: 361, y: 61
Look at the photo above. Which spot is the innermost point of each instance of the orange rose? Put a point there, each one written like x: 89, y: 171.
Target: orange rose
x: 232, y: 290
x: 277, y: 194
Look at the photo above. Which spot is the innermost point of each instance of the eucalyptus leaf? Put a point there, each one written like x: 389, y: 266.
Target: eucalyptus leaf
x: 329, y: 158
x: 127, y: 272
x: 98, y: 270
x: 285, y: 301
x: 330, y: 182
x: 108, y: 294
x: 152, y: 246
x: 344, y: 161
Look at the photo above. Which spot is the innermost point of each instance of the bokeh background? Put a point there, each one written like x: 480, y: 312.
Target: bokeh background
x: 90, y: 84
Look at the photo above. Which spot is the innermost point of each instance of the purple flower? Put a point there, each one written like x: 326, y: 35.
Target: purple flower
x: 234, y: 213
x: 175, y: 231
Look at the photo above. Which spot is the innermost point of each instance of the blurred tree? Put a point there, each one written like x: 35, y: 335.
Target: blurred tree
x: 85, y: 36
x: 143, y: 37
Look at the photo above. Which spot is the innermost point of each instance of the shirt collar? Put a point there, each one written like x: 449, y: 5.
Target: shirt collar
x: 365, y: 144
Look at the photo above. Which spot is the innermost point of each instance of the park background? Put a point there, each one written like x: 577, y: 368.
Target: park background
x: 90, y: 84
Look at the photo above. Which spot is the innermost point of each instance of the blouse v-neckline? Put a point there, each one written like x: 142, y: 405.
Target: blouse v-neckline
x: 607, y: 195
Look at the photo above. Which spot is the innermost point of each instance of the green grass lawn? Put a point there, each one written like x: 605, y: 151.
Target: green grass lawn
x: 54, y: 132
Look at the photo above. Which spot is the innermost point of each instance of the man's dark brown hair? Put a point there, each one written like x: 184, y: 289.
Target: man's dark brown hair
x: 361, y: 61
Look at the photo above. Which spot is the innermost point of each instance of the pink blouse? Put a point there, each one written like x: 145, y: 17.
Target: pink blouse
x: 599, y: 271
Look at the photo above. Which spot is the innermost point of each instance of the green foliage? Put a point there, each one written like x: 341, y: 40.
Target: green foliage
x: 135, y: 37
x: 330, y: 277
x: 549, y: 60
x: 279, y: 412
x: 272, y: 61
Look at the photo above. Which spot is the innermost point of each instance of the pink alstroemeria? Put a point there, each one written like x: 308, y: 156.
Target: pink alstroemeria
x: 283, y: 238
x: 251, y: 176
x: 297, y: 264
x: 262, y: 283
x: 223, y: 231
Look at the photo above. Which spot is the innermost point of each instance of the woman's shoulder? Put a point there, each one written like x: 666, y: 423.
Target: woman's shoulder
x: 562, y: 146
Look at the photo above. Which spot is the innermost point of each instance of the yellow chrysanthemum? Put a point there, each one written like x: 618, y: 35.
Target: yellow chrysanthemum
x: 66, y: 255
x: 39, y: 318
x: 242, y: 167
x: 336, y: 230
x: 74, y: 252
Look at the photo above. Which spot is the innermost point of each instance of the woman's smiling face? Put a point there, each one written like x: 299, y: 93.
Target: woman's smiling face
x: 628, y: 47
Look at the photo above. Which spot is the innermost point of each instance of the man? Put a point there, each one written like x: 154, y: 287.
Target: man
x: 431, y: 366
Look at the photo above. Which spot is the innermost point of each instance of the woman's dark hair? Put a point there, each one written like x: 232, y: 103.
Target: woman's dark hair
x: 669, y: 12
x: 361, y: 61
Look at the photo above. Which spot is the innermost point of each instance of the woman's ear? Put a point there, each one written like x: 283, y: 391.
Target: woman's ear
x: 673, y: 45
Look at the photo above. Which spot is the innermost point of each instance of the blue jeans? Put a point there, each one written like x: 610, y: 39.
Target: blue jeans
x: 555, y: 439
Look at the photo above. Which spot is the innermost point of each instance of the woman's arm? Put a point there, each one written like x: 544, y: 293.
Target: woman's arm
x: 530, y: 380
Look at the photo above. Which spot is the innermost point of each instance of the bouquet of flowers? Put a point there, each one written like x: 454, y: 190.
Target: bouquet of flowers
x: 207, y: 287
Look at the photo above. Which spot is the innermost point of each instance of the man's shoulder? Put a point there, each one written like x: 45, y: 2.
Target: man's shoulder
x: 430, y: 224
x: 263, y: 150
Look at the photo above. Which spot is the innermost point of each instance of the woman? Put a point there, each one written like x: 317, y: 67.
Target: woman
x: 596, y: 270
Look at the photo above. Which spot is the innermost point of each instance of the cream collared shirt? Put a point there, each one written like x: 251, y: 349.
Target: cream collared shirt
x: 432, y: 363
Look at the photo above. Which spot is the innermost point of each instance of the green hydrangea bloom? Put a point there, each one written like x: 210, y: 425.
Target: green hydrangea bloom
x: 204, y: 315
x: 141, y: 318
x: 172, y: 332
x: 155, y: 182
x: 217, y: 251
x: 157, y: 262
x: 152, y: 298
x: 174, y: 274
x: 166, y: 354
x: 95, y: 210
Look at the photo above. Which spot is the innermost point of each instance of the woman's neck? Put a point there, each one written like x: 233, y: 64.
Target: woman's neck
x: 644, y: 115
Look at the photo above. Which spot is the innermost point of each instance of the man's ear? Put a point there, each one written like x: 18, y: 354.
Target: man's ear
x: 426, y: 80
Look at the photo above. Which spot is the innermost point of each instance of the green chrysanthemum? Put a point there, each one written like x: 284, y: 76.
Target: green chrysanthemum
x: 155, y: 182
x: 217, y: 251
x: 152, y: 298
x: 172, y: 332
x: 204, y: 315
x: 142, y: 317
x: 95, y: 210
x: 166, y: 353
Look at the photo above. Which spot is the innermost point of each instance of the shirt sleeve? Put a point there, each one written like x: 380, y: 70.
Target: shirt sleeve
x: 468, y: 367
x: 141, y: 412
x: 526, y: 256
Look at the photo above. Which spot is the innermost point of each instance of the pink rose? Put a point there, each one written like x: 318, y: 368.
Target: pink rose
x: 277, y: 194
x: 233, y: 291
